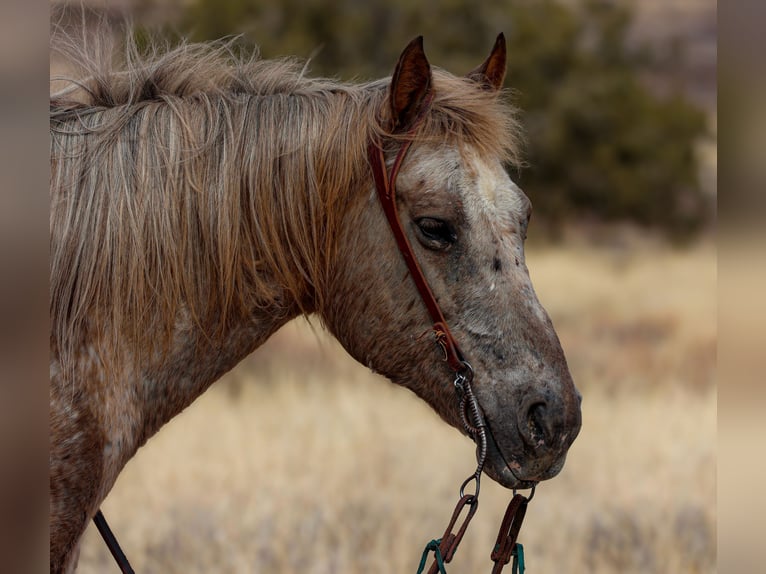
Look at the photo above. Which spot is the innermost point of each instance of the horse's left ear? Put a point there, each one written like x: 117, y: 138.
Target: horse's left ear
x: 410, y: 85
x: 492, y: 72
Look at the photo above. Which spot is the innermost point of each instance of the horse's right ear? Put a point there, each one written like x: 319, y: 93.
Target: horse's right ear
x: 492, y: 72
x: 410, y: 85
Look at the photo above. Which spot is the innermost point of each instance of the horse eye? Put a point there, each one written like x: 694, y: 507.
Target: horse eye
x: 435, y: 233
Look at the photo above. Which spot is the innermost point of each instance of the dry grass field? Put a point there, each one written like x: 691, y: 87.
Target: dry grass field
x: 303, y: 461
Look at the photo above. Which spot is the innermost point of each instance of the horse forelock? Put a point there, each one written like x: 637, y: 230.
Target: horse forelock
x: 193, y: 183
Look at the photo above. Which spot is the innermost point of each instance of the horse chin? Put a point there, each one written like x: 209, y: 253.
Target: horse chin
x: 506, y: 474
x: 503, y: 475
x: 499, y: 470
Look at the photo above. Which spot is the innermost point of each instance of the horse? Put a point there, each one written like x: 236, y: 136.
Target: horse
x: 201, y: 200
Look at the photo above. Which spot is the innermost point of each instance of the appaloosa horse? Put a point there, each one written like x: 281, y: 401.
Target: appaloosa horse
x: 199, y: 202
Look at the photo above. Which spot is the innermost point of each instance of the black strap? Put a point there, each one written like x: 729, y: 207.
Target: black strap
x: 112, y: 544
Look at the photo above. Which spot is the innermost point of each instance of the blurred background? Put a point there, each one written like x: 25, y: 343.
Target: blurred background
x: 302, y: 460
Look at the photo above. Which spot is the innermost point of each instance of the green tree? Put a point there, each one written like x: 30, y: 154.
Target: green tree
x: 600, y: 144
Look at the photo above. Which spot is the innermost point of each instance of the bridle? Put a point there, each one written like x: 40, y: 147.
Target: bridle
x: 385, y: 185
x: 470, y: 412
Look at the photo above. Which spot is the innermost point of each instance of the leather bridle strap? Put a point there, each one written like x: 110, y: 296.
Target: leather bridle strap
x: 385, y: 184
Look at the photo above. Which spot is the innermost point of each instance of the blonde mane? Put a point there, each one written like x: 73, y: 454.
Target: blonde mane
x: 190, y: 182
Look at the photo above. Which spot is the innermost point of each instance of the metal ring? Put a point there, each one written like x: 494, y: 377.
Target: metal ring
x: 531, y: 492
x: 466, y: 375
x: 458, y: 382
x: 475, y: 477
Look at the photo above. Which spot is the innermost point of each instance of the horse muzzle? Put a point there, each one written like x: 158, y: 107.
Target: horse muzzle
x: 529, y: 444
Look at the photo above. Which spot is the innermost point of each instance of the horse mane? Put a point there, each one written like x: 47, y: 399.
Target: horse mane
x: 189, y: 181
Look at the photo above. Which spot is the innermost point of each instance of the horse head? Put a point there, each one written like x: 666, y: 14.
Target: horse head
x: 466, y: 222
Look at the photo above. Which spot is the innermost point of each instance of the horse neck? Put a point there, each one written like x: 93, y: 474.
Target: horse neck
x: 148, y: 394
x: 277, y: 214
x: 288, y: 224
x: 196, y: 360
x: 131, y: 403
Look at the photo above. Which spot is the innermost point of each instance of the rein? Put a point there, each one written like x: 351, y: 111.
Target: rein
x: 471, y: 415
x: 112, y: 544
x: 444, y: 548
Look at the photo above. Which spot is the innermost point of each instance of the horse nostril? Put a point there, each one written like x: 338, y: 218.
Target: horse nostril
x: 538, y: 430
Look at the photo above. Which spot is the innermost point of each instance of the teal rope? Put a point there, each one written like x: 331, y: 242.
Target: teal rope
x: 518, y: 559
x: 433, y: 545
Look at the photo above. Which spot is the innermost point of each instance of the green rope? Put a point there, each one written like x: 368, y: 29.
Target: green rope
x: 433, y: 545
x: 518, y: 559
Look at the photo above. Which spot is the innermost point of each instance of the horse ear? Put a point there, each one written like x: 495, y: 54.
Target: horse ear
x: 410, y: 85
x: 492, y: 72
